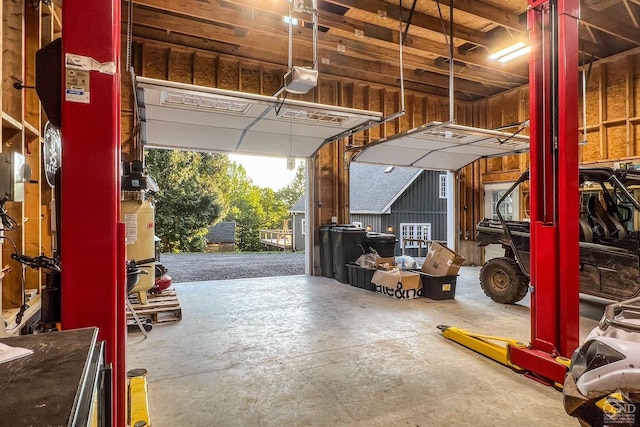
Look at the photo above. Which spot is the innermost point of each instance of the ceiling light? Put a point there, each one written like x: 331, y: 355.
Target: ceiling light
x: 513, y: 55
x: 507, y: 51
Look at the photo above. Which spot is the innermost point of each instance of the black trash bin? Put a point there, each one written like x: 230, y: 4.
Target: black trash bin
x: 348, y: 244
x: 326, y: 250
x: 384, y: 244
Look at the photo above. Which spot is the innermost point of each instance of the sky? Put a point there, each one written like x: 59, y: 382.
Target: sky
x: 266, y: 172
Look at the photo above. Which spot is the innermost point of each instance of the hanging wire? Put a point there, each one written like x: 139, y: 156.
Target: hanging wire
x: 401, y: 60
x: 290, y: 63
x: 444, y: 30
x: 314, y: 18
x: 129, y: 34
x: 449, y: 42
x: 290, y: 136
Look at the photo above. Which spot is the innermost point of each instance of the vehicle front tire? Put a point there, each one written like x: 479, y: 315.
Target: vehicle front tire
x: 503, y: 281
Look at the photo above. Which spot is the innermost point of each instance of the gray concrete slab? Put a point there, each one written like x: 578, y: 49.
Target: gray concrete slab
x: 310, y: 351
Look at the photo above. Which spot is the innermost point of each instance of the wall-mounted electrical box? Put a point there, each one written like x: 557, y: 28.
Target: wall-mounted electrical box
x: 14, y: 172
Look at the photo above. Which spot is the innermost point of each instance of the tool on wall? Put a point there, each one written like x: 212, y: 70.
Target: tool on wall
x: 51, y: 306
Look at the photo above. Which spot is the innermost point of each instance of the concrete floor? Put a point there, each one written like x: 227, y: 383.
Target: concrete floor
x: 298, y: 351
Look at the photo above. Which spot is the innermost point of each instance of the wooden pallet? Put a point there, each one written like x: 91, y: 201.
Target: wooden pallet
x: 160, y: 308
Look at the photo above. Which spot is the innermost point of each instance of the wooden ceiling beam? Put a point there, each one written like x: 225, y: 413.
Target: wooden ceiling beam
x: 605, y: 24
x: 590, y: 48
x: 235, y: 15
x: 174, y: 24
x: 418, y: 60
x: 419, y: 19
x: 152, y: 36
x: 489, y: 12
x: 633, y: 15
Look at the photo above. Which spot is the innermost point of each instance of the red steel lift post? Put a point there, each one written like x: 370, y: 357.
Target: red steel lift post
x: 554, y: 199
x: 92, y: 240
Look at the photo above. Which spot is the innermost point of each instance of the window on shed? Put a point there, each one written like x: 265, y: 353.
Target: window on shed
x: 442, y: 186
x: 413, y: 233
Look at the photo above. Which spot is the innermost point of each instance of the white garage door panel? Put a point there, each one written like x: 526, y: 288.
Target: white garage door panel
x: 440, y: 146
x: 193, y: 117
x: 188, y: 116
x: 441, y: 160
x: 475, y: 150
x: 388, y: 155
x: 419, y: 144
x: 174, y: 135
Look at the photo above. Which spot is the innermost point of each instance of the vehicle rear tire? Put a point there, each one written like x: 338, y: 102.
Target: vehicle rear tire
x: 503, y: 281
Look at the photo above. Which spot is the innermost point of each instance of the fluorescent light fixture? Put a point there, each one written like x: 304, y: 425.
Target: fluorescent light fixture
x: 388, y: 169
x: 294, y: 21
x: 507, y: 51
x: 513, y: 55
x: 205, y: 103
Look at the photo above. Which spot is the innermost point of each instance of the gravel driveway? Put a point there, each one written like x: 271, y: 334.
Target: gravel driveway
x: 196, y: 267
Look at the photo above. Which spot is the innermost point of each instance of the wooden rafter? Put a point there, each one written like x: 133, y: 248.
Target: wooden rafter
x: 603, y: 23
x: 360, y: 37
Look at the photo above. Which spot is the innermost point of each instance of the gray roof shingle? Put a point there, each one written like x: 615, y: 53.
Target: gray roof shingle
x: 298, y: 207
x: 371, y: 189
x: 222, y: 232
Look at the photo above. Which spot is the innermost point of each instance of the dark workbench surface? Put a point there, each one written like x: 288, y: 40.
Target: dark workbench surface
x: 40, y: 389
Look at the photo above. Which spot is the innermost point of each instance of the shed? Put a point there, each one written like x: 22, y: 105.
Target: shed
x: 408, y: 202
x: 221, y: 237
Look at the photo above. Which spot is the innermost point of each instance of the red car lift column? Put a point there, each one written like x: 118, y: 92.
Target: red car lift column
x: 91, y: 244
x: 555, y: 252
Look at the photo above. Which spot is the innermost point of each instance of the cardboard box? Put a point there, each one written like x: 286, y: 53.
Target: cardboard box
x: 441, y: 261
x: 397, y: 279
x: 399, y: 293
x: 386, y: 263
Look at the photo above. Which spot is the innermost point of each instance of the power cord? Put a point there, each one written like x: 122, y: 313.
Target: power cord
x: 24, y: 306
x: 8, y: 223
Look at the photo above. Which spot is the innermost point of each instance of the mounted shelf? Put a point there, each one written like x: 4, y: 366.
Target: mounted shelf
x: 9, y: 123
x: 30, y: 131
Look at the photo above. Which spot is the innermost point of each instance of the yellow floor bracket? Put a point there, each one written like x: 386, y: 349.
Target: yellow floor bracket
x: 483, y: 344
x: 138, y: 403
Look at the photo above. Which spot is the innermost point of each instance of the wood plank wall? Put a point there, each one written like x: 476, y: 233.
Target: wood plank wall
x: 612, y: 121
x: 25, y: 29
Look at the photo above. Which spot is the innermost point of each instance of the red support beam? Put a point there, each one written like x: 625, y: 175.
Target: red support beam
x: 553, y: 85
x: 92, y: 271
x: 568, y: 180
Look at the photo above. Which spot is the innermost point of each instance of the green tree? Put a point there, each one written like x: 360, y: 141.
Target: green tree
x: 292, y: 192
x: 249, y: 219
x: 190, y: 198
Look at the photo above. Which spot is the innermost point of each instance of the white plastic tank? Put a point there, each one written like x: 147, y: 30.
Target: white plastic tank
x: 139, y: 219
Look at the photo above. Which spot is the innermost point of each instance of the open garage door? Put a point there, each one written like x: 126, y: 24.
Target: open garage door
x: 442, y: 146
x: 182, y: 116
